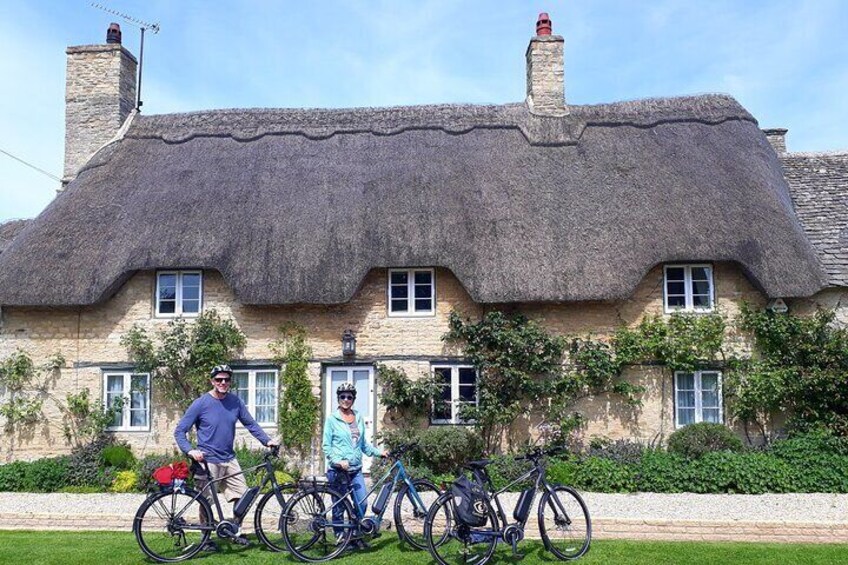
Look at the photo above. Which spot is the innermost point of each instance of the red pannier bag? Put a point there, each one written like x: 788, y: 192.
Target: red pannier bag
x: 166, y: 475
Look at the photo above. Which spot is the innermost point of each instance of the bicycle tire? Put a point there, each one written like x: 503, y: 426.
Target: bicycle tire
x: 308, y: 531
x: 573, y: 532
x: 409, y: 520
x: 267, y: 522
x: 451, y: 543
x: 163, y: 520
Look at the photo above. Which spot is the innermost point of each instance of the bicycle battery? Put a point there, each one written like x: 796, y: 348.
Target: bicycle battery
x: 382, y: 498
x: 245, y: 501
x: 522, y: 508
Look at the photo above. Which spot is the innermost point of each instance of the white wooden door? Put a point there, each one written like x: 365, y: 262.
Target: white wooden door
x: 362, y: 378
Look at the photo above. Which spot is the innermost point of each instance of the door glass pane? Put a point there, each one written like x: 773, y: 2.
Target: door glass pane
x: 361, y: 382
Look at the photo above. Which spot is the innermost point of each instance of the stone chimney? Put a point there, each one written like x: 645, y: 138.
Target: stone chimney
x: 546, y: 71
x: 99, y: 95
x: 777, y: 138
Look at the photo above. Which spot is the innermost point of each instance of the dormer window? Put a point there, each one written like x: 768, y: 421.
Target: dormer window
x: 178, y: 293
x: 412, y: 292
x: 688, y: 288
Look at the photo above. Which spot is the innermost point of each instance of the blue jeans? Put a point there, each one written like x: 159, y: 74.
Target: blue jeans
x: 340, y: 481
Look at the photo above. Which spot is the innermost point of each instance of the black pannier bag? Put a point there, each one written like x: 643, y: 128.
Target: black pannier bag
x: 470, y: 502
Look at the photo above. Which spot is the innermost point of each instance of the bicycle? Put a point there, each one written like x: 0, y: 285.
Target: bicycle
x: 175, y: 523
x: 320, y: 520
x: 564, y: 522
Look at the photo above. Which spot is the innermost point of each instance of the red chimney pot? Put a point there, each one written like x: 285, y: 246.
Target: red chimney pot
x: 543, y: 24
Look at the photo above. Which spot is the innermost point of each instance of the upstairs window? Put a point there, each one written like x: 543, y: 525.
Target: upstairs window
x: 697, y: 397
x: 130, y: 391
x: 458, y: 389
x: 412, y: 292
x: 688, y: 288
x: 258, y: 390
x: 178, y: 293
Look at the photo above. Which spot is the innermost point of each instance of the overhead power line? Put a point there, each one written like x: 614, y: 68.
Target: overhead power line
x: 30, y: 165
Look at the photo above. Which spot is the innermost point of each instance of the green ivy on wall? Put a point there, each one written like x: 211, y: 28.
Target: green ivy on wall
x: 298, y: 409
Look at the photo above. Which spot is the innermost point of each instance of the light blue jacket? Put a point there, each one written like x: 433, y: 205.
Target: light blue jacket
x: 338, y: 443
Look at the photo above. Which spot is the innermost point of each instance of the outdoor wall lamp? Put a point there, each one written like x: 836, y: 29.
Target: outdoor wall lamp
x: 348, y: 343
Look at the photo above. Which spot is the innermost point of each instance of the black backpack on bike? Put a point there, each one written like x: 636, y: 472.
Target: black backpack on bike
x: 470, y: 502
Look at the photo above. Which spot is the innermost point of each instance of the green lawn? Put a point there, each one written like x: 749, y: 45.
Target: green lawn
x: 75, y: 548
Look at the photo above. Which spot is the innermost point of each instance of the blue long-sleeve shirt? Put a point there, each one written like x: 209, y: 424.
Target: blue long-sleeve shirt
x: 216, y: 426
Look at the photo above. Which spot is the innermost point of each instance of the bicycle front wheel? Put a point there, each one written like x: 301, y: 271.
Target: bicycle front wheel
x: 564, y: 523
x: 268, y: 520
x: 453, y: 543
x: 318, y: 524
x: 411, y: 512
x: 172, y: 526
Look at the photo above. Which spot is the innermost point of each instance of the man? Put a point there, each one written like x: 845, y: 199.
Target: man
x: 215, y: 415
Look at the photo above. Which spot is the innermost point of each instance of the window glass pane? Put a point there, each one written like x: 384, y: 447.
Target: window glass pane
x: 167, y: 307
x: 709, y: 399
x: 685, y: 381
x: 240, y: 383
x: 686, y: 398
x: 191, y: 280
x: 191, y: 306
x: 138, y: 418
x: 266, y: 379
x: 442, y: 410
x: 423, y: 291
x: 467, y: 376
x: 423, y: 277
x: 711, y: 415
x: 115, y: 384
x: 191, y: 293
x: 400, y: 292
x: 467, y: 393
x: 701, y: 301
x: 400, y: 305
x: 709, y: 381
x: 700, y: 273
x: 676, y: 288
x: 399, y: 277
x: 676, y: 301
x: 423, y: 305
x: 700, y: 287
x: 265, y: 415
x: 675, y: 274
x: 167, y: 286
x: 685, y: 416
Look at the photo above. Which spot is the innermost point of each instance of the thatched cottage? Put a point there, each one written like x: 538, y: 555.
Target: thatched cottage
x: 382, y: 221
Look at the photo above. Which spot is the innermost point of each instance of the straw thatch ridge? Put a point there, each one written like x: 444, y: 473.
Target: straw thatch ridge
x: 819, y: 186
x: 296, y: 206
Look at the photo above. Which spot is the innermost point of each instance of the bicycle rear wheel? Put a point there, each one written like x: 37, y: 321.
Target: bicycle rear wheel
x: 172, y: 525
x: 268, y: 520
x: 410, y: 516
x: 564, y: 523
x: 453, y: 543
x: 314, y: 529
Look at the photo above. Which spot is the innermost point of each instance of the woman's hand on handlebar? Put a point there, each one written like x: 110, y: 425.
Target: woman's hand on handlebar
x: 196, y: 454
x: 343, y: 465
x: 385, y: 453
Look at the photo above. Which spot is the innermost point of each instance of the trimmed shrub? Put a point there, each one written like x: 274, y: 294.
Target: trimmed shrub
x: 597, y: 474
x: 819, y: 459
x: 659, y: 471
x: 620, y: 450
x: 444, y: 449
x: 695, y: 440
x: 118, y: 455
x: 46, y: 475
x: 85, y: 465
x: 13, y: 476
x: 562, y: 470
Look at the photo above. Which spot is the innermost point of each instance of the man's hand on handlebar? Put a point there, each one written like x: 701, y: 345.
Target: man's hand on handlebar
x: 343, y: 465
x: 196, y: 454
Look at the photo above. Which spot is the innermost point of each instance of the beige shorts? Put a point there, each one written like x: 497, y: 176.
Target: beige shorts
x: 232, y: 488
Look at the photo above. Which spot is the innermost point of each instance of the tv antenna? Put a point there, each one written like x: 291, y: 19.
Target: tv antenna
x: 142, y: 25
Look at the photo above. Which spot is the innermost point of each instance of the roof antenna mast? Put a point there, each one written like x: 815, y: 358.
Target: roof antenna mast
x: 154, y: 28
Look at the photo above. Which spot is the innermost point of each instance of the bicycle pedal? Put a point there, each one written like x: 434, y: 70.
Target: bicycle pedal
x: 241, y: 540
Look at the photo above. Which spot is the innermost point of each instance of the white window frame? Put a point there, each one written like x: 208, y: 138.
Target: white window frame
x: 410, y: 294
x: 178, y: 307
x: 687, y: 288
x: 251, y: 392
x: 125, y: 394
x: 456, y: 401
x: 699, y: 407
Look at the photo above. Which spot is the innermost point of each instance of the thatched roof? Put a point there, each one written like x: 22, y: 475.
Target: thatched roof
x: 9, y: 230
x: 819, y: 186
x: 295, y: 206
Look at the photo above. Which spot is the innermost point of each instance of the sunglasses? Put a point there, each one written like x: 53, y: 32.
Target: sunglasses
x: 222, y: 380
x: 346, y: 397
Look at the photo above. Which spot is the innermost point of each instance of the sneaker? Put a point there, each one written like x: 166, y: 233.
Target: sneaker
x: 242, y: 540
x: 209, y: 546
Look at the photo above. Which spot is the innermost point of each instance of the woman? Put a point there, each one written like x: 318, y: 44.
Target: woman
x: 344, y: 443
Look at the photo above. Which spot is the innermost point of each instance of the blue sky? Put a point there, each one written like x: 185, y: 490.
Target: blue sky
x: 785, y: 61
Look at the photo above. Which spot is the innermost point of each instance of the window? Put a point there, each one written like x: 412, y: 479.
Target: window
x: 688, y: 288
x: 412, y: 292
x: 178, y: 293
x: 132, y: 391
x: 258, y: 390
x: 459, y: 389
x: 697, y: 397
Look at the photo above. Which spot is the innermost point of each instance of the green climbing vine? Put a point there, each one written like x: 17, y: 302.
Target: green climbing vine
x: 19, y: 376
x: 298, y: 407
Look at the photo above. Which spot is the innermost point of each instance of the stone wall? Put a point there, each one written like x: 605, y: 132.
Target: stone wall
x: 546, y: 75
x: 100, y: 93
x: 89, y: 339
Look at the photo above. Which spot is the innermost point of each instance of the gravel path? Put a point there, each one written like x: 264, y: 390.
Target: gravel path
x: 815, y: 508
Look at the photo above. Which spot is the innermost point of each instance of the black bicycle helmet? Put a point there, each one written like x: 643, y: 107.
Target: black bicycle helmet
x: 220, y: 369
x: 346, y: 387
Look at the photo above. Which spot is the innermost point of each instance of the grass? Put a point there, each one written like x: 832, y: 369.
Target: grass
x: 82, y: 548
